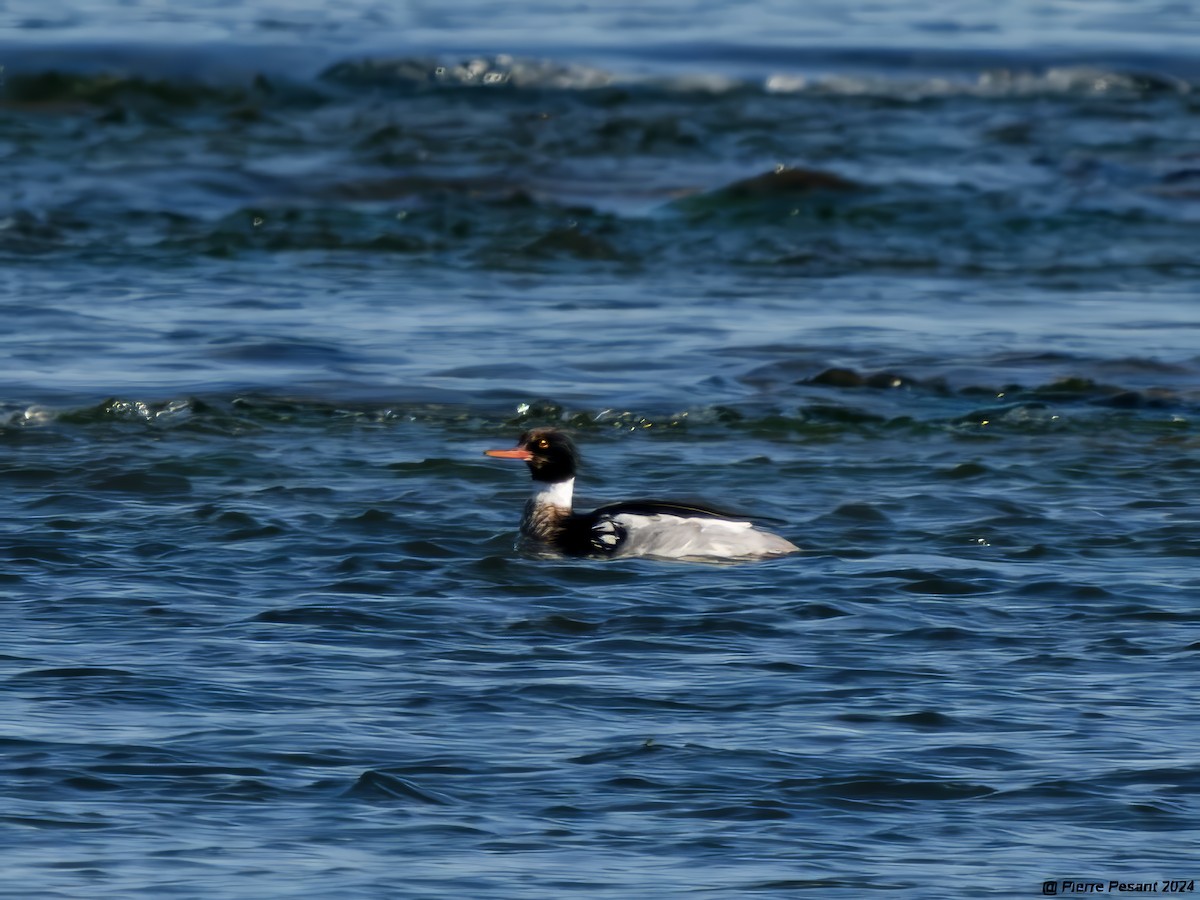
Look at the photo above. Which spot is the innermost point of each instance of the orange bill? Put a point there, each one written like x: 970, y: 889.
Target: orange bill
x: 515, y: 453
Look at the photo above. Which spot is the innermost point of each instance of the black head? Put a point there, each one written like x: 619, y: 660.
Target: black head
x: 550, y: 455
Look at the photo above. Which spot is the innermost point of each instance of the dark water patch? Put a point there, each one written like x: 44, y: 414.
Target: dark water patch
x: 772, y: 193
x: 861, y: 512
x: 923, y: 720
x: 1065, y: 591
x: 487, y: 189
x: 100, y: 603
x: 1091, y: 802
x: 945, y: 586
x: 617, y: 754
x: 886, y: 788
x: 280, y: 352
x: 373, y: 785
x: 615, y: 702
x: 84, y: 822
x: 1165, y: 778
x: 964, y: 471
x: 929, y: 719
x: 76, y: 672
x: 925, y: 582
x: 31, y: 476
x: 327, y: 617
x: 176, y: 770
x: 152, y: 550
x: 22, y: 553
x: 572, y: 242
x: 1045, y: 662
x: 634, y: 783
x: 233, y: 519
x: 300, y: 759
x: 124, y: 95
x: 860, y: 678
x: 142, y: 482
x: 256, y: 532
x: 786, y: 181
x: 441, y: 766
x: 1149, y: 613
x: 555, y: 624
x: 754, y: 811
x: 247, y: 790
x: 819, y: 611
x: 429, y: 550
x: 740, y: 623
x: 1117, y: 646
x: 975, y: 756
x: 89, y: 784
x: 355, y: 564
x: 357, y: 586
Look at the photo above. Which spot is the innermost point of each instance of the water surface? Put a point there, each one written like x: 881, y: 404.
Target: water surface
x: 919, y: 286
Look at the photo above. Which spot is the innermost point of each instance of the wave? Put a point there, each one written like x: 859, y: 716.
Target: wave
x: 219, y: 75
x: 831, y: 401
x: 511, y: 163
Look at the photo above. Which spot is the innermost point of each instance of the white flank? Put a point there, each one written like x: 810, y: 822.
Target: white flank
x: 676, y: 537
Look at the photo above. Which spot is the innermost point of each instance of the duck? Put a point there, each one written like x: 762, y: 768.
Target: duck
x: 651, y: 528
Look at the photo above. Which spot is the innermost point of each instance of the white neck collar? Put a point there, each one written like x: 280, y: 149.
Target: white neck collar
x: 558, y: 494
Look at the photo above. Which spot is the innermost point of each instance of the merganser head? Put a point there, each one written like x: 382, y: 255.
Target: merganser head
x: 550, y: 455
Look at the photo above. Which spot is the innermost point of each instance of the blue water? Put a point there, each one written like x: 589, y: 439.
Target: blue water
x: 919, y: 286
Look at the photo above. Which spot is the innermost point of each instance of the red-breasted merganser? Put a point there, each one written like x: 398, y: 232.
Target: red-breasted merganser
x: 635, y: 528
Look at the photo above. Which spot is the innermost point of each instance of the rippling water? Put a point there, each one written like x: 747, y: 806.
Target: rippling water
x: 920, y: 288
